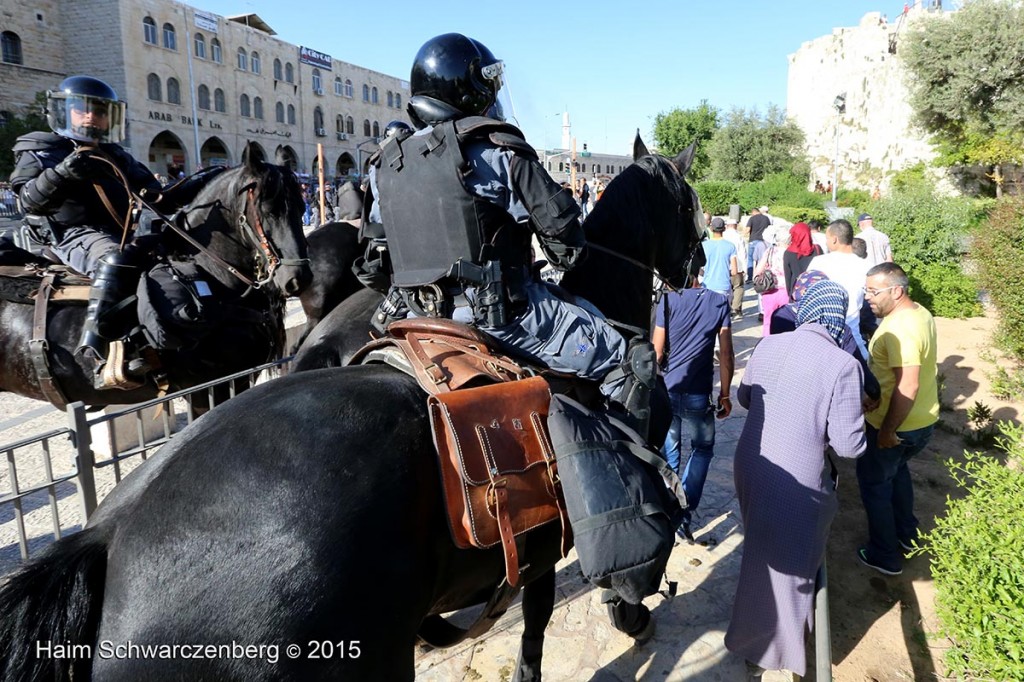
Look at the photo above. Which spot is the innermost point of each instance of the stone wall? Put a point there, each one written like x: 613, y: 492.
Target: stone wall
x: 38, y: 24
x: 876, y: 134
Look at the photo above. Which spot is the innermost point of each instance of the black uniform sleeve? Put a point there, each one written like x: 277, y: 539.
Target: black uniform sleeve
x: 554, y: 214
x: 40, y: 191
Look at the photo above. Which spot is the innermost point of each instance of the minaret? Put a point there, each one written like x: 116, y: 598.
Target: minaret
x: 566, y: 131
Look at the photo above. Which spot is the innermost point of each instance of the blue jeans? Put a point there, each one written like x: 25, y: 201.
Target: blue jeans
x: 696, y: 411
x: 755, y: 249
x: 888, y: 494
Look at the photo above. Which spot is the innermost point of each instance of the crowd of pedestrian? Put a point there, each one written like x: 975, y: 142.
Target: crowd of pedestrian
x: 845, y: 367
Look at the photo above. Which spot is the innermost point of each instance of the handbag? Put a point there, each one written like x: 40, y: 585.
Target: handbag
x: 766, y: 281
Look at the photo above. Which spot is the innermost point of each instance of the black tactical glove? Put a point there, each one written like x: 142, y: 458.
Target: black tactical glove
x: 78, y: 165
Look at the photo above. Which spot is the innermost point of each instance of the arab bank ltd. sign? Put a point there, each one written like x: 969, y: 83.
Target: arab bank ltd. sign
x: 314, y: 58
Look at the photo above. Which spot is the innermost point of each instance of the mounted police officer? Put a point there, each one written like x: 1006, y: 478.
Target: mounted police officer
x: 460, y: 200
x: 78, y: 188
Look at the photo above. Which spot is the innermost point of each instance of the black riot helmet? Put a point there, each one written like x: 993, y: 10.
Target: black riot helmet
x: 452, y: 77
x: 396, y: 127
x: 85, y: 109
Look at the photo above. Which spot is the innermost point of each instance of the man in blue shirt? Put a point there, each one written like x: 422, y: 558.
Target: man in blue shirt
x: 721, y: 258
x: 687, y: 324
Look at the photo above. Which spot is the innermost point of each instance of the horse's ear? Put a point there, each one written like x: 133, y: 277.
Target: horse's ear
x: 252, y: 156
x: 684, y: 159
x: 281, y: 157
x: 639, y: 148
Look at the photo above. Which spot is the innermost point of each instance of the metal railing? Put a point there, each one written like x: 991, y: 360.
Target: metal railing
x: 88, y: 471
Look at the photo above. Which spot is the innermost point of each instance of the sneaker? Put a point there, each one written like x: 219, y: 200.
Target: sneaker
x: 862, y: 554
x: 685, y: 533
x: 907, y: 546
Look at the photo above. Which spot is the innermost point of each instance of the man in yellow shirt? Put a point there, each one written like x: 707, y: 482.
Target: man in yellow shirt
x: 899, y: 426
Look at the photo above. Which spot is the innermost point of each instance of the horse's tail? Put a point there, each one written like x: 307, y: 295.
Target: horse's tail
x: 54, y: 600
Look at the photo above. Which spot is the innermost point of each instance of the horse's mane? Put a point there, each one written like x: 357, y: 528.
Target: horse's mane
x: 650, y: 183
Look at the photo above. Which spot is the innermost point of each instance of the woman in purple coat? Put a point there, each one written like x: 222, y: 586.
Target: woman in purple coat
x: 803, y: 393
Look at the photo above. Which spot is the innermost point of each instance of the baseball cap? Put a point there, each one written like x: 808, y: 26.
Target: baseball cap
x: 864, y: 216
x: 763, y: 209
x: 731, y: 221
x: 717, y: 224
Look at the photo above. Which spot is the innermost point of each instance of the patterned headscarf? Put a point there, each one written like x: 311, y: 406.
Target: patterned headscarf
x: 825, y: 303
x: 806, y: 280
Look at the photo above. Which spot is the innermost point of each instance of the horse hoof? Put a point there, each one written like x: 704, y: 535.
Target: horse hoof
x: 646, y: 632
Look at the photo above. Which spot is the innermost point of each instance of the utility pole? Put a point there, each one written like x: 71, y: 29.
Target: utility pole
x: 572, y: 167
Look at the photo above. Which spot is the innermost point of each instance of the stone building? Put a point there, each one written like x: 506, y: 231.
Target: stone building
x: 876, y: 135
x: 200, y: 86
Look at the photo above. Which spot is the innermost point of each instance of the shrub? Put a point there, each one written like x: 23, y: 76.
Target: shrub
x: 857, y: 198
x: 783, y: 189
x: 977, y: 551
x: 929, y: 236
x: 796, y: 214
x: 716, y: 196
x: 998, y: 251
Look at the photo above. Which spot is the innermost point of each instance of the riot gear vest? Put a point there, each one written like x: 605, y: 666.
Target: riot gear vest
x: 436, y: 228
x: 38, y: 151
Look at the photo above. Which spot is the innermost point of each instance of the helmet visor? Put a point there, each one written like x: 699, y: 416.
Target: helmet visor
x: 503, y: 108
x: 85, y: 118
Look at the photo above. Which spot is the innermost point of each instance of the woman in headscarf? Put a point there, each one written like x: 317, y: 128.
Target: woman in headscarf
x: 798, y: 255
x: 773, y: 260
x: 802, y: 393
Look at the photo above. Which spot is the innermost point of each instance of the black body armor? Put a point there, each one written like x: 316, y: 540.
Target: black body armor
x: 442, y: 238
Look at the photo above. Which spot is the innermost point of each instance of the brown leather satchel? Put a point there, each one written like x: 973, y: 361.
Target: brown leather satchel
x: 497, y: 465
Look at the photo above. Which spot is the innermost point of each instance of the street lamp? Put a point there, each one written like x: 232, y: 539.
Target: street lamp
x: 839, y: 104
x: 359, y: 153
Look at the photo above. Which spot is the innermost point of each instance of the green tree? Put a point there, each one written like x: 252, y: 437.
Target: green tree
x: 750, y: 146
x: 675, y: 130
x: 967, y: 76
x: 15, y: 127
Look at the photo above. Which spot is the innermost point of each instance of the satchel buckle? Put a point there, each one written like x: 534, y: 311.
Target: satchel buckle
x: 493, y: 486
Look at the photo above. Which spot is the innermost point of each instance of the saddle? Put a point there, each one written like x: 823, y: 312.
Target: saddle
x: 489, y: 421
x: 39, y: 285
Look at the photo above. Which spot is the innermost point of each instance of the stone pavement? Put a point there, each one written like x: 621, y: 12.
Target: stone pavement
x: 580, y: 643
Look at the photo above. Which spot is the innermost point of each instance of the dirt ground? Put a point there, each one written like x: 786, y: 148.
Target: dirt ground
x: 885, y: 629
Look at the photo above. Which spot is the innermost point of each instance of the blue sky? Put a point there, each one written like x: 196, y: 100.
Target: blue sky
x: 613, y: 65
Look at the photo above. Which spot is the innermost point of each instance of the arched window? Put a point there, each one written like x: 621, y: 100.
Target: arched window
x: 153, y: 87
x: 204, y: 98
x: 291, y: 114
x: 366, y: 93
x: 254, y: 61
x: 173, y: 91
x: 373, y: 96
x: 318, y: 119
x: 376, y: 129
x: 366, y: 127
x: 257, y: 108
x: 339, y: 123
x: 348, y: 88
x: 243, y: 59
x: 318, y: 83
x: 339, y: 87
x: 350, y: 125
x: 215, y: 53
x: 170, y: 38
x: 278, y: 71
x: 289, y: 73
x: 149, y: 30
x: 243, y: 106
x: 279, y: 112
x: 398, y: 101
x: 391, y: 99
x: 219, y: 101
x: 200, y: 43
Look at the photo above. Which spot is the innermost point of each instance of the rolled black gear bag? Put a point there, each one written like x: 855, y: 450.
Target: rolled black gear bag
x: 623, y: 500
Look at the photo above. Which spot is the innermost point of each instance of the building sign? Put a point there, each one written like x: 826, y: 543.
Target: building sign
x: 314, y: 58
x: 184, y: 120
x: 205, y: 21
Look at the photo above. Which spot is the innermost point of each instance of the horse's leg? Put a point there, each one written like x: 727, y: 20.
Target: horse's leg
x: 538, y: 603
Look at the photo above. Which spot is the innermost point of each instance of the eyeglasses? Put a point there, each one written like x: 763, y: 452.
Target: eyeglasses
x: 875, y: 292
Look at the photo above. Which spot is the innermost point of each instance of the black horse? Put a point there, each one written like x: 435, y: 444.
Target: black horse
x: 307, y: 514
x: 245, y: 230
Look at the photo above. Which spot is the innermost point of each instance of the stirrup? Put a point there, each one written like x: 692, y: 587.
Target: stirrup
x: 113, y: 374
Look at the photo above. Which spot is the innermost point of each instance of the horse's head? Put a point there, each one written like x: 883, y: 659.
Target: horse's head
x: 270, y: 219
x: 677, y: 249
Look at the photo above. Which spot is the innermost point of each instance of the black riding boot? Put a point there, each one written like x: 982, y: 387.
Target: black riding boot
x: 111, y: 312
x: 633, y: 383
